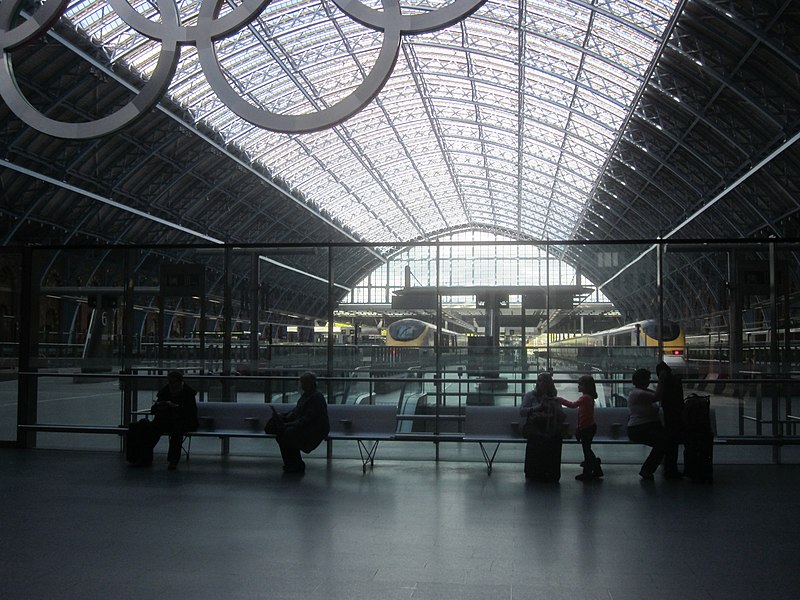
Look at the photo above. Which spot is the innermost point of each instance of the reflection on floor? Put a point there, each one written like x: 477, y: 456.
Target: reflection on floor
x: 84, y: 525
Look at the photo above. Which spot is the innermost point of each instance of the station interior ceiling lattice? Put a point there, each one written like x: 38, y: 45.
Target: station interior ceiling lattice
x: 598, y: 121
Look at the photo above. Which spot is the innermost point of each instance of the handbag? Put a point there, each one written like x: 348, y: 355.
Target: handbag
x: 275, y: 425
x: 537, y: 423
x: 545, y: 419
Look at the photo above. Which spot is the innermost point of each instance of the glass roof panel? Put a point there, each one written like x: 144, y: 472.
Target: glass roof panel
x: 449, y: 140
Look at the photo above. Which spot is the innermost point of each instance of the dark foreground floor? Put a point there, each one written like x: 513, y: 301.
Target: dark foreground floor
x: 84, y: 525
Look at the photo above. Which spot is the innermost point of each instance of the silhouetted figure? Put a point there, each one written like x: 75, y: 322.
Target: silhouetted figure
x: 304, y: 427
x: 669, y: 394
x: 587, y: 427
x: 175, y: 413
x: 543, y: 430
x: 544, y: 388
x: 644, y: 425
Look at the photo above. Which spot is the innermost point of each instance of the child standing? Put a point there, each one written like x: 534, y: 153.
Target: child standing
x: 587, y: 427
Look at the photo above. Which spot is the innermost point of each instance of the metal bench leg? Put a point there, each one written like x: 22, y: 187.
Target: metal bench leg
x: 367, y: 454
x: 489, y: 459
x: 186, y: 446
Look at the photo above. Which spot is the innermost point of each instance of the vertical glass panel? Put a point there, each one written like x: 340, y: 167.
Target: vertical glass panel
x: 10, y: 298
x: 741, y: 338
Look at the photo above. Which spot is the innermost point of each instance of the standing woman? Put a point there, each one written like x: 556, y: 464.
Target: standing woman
x: 644, y: 425
x: 587, y: 428
x: 543, y: 430
x: 669, y: 394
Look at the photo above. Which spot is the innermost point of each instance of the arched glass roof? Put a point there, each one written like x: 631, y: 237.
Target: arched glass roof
x: 449, y: 143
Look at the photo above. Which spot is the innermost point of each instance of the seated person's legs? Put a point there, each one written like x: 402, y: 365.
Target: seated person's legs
x: 289, y: 443
x: 653, y: 459
x: 650, y: 434
x: 170, y: 427
x: 175, y: 447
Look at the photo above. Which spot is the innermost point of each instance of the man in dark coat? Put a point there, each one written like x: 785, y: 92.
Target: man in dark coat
x: 304, y: 427
x: 175, y: 412
x: 669, y: 394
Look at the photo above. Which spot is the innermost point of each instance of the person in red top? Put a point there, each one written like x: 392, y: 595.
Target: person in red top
x: 586, y: 428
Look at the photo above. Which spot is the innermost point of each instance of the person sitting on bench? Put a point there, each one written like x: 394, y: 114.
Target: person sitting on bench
x: 175, y: 413
x: 644, y: 423
x: 302, y: 428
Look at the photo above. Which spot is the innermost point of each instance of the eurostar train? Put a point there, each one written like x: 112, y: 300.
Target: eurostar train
x: 413, y: 333
x: 630, y: 346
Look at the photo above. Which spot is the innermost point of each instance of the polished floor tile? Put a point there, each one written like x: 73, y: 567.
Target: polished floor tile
x: 81, y: 524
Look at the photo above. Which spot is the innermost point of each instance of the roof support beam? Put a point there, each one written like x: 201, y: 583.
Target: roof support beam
x: 787, y: 144
x: 107, y: 201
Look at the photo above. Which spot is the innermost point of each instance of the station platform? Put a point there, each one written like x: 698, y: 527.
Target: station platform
x: 82, y: 524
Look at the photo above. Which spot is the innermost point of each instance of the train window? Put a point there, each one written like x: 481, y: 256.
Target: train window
x: 671, y: 330
x: 406, y: 331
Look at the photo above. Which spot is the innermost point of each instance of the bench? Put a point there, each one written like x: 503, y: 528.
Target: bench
x: 492, y: 425
x: 224, y: 420
x: 233, y: 419
x: 364, y: 423
x: 367, y: 425
x: 497, y: 425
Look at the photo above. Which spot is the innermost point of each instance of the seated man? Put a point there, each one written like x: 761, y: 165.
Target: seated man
x: 175, y: 412
x: 304, y: 427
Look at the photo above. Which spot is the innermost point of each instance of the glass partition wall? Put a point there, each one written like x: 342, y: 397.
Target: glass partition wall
x: 88, y: 334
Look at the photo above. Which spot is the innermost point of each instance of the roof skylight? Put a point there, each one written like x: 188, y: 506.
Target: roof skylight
x: 449, y: 140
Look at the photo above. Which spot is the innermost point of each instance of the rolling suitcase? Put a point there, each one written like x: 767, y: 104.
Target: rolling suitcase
x: 139, y: 442
x: 543, y: 457
x: 698, y: 456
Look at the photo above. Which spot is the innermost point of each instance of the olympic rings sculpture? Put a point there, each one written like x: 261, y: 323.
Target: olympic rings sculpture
x: 209, y: 28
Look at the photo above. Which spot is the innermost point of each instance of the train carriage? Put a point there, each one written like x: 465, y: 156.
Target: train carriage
x: 630, y: 346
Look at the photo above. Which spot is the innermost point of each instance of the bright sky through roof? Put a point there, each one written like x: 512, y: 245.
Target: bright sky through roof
x: 501, y: 122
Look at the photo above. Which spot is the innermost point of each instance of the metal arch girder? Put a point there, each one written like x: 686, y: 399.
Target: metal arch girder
x: 381, y: 182
x: 669, y: 106
x: 659, y: 130
x: 714, y: 74
x: 436, y: 128
x: 743, y: 25
x: 694, y: 266
x: 772, y: 223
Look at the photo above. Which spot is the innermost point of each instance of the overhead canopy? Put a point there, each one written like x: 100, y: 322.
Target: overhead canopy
x: 449, y: 143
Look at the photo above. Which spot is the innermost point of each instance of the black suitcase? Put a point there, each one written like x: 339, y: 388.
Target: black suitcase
x: 139, y: 443
x: 698, y: 453
x: 543, y: 457
x: 698, y: 457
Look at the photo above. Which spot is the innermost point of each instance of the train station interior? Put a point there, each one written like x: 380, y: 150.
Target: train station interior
x: 428, y: 205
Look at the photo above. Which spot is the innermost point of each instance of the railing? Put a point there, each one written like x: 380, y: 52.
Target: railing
x: 754, y: 410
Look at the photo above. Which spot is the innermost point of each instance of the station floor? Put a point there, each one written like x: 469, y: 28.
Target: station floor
x: 82, y: 524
